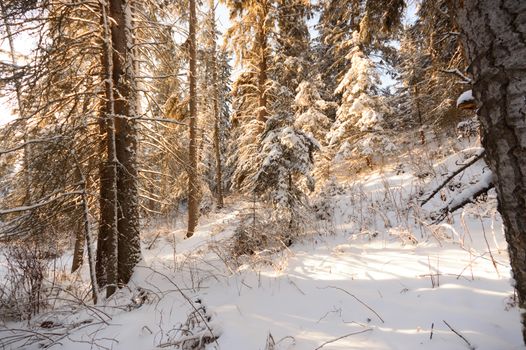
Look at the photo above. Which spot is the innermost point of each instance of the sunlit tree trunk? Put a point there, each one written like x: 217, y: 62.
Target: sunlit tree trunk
x: 193, y: 181
x: 217, y: 115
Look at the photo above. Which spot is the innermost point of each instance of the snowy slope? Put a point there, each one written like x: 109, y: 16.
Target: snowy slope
x: 376, y: 276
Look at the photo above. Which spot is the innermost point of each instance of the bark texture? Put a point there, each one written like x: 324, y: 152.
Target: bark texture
x: 217, y: 115
x: 106, y: 266
x: 261, y: 38
x: 494, y: 36
x: 78, y: 250
x: 129, y: 251
x: 193, y: 181
x: 118, y: 250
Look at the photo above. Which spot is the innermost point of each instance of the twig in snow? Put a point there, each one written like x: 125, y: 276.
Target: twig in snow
x: 285, y: 338
x: 460, y: 335
x: 334, y: 310
x: 432, y: 326
x: 343, y: 336
x: 358, y: 300
x: 295, y: 285
x: 189, y: 302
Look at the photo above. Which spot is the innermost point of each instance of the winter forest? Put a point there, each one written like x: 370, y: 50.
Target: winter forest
x: 262, y: 174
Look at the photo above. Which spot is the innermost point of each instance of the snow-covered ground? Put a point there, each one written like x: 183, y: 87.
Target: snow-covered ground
x: 376, y: 276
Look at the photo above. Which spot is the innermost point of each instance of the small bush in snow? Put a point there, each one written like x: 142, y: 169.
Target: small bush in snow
x: 324, y: 204
x: 196, y: 333
x: 24, y: 293
x: 257, y: 235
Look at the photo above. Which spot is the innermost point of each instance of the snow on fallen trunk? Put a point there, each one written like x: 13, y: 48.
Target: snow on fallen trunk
x: 468, y: 195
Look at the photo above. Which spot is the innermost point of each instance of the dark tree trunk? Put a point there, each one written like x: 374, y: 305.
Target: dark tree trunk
x: 261, y: 38
x: 106, y: 261
x: 129, y: 251
x: 193, y: 181
x: 494, y: 35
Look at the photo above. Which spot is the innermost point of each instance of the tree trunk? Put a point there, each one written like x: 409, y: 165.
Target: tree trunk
x: 129, y: 248
x: 106, y: 267
x: 494, y: 35
x: 217, y: 115
x: 193, y: 181
x: 261, y: 38
x: 78, y: 250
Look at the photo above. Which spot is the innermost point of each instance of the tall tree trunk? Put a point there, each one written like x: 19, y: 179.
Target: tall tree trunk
x: 193, y: 181
x: 261, y: 38
x: 494, y: 35
x: 129, y: 248
x: 106, y: 267
x: 217, y: 115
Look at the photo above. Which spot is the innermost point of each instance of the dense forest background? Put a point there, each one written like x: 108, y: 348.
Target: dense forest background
x: 141, y: 137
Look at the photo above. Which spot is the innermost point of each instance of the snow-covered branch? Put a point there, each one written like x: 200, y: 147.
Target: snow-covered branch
x: 42, y: 203
x: 29, y: 142
x: 448, y: 178
x: 458, y: 73
x: 468, y: 195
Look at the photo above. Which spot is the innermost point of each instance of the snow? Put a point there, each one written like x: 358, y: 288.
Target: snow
x: 373, y: 272
x: 466, y: 96
x: 469, y: 194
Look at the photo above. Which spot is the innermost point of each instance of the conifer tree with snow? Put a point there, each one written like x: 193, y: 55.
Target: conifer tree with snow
x: 342, y: 25
x: 287, y: 157
x: 432, y: 66
x: 311, y: 111
x: 358, y: 128
x: 292, y: 56
x: 250, y: 35
x: 337, y: 20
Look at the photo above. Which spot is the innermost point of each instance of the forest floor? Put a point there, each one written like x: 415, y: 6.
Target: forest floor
x: 377, y: 274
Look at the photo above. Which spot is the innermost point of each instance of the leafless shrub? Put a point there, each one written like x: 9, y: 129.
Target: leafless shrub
x: 195, y: 333
x: 24, y: 292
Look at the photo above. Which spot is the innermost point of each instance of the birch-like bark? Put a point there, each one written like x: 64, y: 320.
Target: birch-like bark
x: 193, y: 181
x: 86, y: 228
x: 494, y: 36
